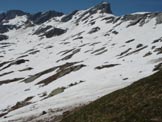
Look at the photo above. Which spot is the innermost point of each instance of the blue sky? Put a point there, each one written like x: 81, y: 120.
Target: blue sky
x: 119, y: 7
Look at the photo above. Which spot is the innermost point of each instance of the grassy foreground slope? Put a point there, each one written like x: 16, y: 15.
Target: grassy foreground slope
x: 139, y: 102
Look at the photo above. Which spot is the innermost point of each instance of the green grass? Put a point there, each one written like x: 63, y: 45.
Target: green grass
x: 139, y: 102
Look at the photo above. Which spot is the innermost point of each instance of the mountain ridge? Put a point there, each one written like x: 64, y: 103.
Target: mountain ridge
x: 61, y: 62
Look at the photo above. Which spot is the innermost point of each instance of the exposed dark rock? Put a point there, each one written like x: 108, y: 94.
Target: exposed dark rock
x: 10, y: 81
x: 106, y: 66
x: 66, y: 51
x: 6, y: 28
x: 130, y: 41
x: 35, y: 76
x: 92, y: 23
x: 147, y: 54
x: 21, y: 61
x: 135, y: 19
x: 22, y: 56
x: 44, y: 112
x: 62, y: 71
x: 135, y: 51
x: 13, y: 13
x: 78, y: 34
x: 73, y: 84
x: 124, y: 52
x: 44, y: 94
x: 139, y: 45
x: 115, y: 32
x: 54, y: 32
x: 95, y: 43
x: 34, y: 52
x: 69, y: 16
x: 85, y: 19
x: 40, y: 17
x: 2, y: 16
x: 35, y: 16
x: 153, y: 47
x: 3, y: 37
x: 125, y: 79
x: 11, y: 63
x: 20, y: 104
x: 6, y: 73
x: 157, y: 40
x: 158, y: 50
x: 159, y: 18
x: 93, y: 30
x: 5, y: 44
x: 104, y: 7
x: 141, y: 18
x: 48, y: 47
x: 4, y: 63
x: 81, y: 37
x: 26, y: 69
x: 28, y: 23
x: 107, y: 34
x: 100, y: 51
x: 134, y: 22
x: 70, y: 55
x: 109, y: 19
x: 3, y: 114
x: 42, y: 30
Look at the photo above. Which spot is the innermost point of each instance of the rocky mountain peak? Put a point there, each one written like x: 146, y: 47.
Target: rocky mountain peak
x: 104, y: 7
x: 40, y: 17
x: 13, y: 13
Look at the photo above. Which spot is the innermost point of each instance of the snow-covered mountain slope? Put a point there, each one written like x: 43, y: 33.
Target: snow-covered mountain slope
x: 51, y: 62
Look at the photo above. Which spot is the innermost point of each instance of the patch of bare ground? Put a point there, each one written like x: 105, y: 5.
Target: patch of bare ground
x: 17, y: 106
x: 6, y: 73
x: 26, y: 69
x: 11, y: 63
x: 106, y: 66
x: 139, y: 102
x: 10, y: 81
x: 100, y: 51
x: 130, y: 41
x: 130, y: 53
x: 158, y: 50
x: 73, y: 52
x: 62, y: 71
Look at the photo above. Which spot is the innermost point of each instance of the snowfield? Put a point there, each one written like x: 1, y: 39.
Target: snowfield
x: 98, y: 54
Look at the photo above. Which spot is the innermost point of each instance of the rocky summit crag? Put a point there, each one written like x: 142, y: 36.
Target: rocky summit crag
x: 52, y: 63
